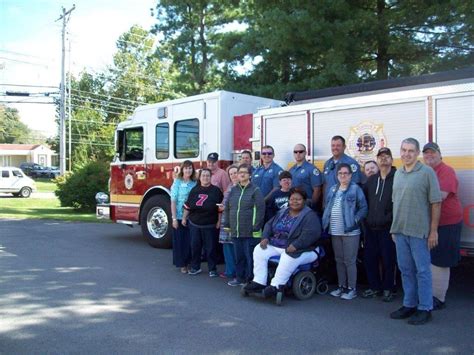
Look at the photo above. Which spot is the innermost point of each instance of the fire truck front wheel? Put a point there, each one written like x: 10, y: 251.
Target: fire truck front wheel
x: 154, y: 221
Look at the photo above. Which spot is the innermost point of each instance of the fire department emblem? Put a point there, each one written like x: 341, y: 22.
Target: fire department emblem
x: 128, y: 181
x: 365, y: 140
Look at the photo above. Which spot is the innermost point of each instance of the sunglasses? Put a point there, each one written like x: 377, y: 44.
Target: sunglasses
x: 298, y: 151
x: 267, y: 153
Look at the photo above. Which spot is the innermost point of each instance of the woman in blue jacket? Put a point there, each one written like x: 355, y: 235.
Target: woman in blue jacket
x: 345, y: 208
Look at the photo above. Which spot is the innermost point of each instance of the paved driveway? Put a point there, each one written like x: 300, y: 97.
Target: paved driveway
x: 98, y: 288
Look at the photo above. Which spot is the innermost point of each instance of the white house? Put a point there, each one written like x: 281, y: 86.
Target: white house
x: 15, y: 154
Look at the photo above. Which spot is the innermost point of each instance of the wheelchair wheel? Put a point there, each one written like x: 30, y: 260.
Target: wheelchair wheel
x: 304, y: 285
x: 279, y: 298
x: 322, y: 287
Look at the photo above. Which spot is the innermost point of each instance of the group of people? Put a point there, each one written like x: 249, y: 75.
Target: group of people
x: 410, y: 217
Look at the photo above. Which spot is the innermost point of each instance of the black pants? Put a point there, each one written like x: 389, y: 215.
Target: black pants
x: 379, y: 245
x: 203, y: 237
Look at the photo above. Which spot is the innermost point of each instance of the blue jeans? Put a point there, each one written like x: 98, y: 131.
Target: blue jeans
x: 243, y: 252
x: 229, y: 259
x: 414, y: 262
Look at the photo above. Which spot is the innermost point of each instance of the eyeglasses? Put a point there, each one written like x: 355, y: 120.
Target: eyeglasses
x: 298, y: 151
x: 267, y: 153
x: 244, y: 172
x: 341, y: 173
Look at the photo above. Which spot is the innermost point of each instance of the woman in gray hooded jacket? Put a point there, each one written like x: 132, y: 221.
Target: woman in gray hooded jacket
x: 243, y: 215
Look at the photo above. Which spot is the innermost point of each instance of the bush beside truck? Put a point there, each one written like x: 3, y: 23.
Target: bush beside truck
x: 77, y: 189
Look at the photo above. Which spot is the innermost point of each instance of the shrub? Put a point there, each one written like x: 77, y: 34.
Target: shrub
x: 78, y: 189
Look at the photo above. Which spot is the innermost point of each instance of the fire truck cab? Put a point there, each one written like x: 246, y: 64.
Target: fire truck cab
x: 154, y: 141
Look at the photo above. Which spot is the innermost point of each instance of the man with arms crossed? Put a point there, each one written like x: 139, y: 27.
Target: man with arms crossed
x: 416, y: 210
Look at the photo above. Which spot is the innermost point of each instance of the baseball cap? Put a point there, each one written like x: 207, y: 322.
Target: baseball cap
x: 384, y: 150
x: 433, y: 146
x: 285, y: 175
x: 213, y: 156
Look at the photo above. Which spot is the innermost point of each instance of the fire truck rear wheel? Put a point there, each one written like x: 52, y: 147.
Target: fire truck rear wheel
x: 154, y: 222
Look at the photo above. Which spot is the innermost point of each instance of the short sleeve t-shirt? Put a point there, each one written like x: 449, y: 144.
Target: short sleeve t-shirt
x: 451, y: 209
x: 266, y: 179
x: 413, y: 193
x: 220, y: 179
x: 179, y: 193
x: 306, y: 176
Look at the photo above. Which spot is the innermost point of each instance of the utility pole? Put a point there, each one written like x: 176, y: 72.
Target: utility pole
x: 69, y: 108
x: 62, y: 124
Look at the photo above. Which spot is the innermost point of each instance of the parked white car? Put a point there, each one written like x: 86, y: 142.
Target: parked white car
x: 15, y: 181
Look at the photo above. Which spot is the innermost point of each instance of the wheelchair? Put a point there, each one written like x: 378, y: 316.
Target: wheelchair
x: 303, y: 283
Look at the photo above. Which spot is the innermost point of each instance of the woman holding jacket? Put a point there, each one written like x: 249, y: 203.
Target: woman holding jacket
x: 345, y: 208
x: 243, y: 215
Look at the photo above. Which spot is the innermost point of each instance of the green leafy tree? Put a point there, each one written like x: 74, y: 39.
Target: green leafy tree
x: 300, y: 45
x: 12, y: 130
x: 192, y: 31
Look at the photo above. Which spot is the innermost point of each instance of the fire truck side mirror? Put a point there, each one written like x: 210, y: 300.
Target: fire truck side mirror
x: 123, y: 166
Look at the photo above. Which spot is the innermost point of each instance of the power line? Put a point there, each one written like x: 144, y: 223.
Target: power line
x: 103, y: 102
x: 27, y: 102
x: 32, y: 86
x: 25, y: 55
x: 25, y: 62
x: 108, y: 96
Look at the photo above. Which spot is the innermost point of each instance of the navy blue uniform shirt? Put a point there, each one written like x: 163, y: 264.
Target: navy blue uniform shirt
x: 306, y: 176
x: 266, y: 179
x: 330, y: 167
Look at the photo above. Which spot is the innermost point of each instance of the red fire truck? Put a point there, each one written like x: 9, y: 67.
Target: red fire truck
x: 157, y: 138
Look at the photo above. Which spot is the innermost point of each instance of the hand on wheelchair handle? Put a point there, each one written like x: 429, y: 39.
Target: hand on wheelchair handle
x: 264, y: 243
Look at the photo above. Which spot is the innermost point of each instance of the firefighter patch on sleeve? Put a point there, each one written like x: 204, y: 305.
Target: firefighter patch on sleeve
x: 316, y: 172
x: 353, y: 168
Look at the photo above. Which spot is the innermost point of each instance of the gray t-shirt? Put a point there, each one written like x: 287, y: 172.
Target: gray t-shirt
x: 413, y: 193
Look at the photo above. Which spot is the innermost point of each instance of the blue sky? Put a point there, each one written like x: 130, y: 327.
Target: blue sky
x: 30, y: 45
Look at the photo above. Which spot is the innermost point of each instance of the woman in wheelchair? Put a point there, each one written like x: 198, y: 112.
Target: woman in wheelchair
x: 291, y: 233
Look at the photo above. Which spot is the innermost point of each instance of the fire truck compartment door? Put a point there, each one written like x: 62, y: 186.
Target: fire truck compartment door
x: 283, y: 133
x: 384, y: 125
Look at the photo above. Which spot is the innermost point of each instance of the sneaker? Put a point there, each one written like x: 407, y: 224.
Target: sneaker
x: 420, y: 317
x: 194, y: 271
x: 253, y: 287
x: 270, y: 291
x: 213, y: 273
x: 337, y: 292
x: 403, y: 312
x: 235, y: 282
x: 388, y: 296
x: 371, y: 293
x: 437, y: 304
x: 349, y: 294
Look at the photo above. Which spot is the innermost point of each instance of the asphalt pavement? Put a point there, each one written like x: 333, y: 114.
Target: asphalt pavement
x: 99, y: 288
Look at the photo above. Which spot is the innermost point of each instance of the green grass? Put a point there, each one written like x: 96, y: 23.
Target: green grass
x: 41, y: 208
x: 45, y: 185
